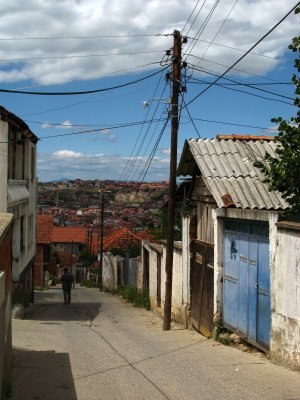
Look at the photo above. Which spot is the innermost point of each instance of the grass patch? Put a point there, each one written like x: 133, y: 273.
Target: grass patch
x: 137, y: 297
x: 88, y: 284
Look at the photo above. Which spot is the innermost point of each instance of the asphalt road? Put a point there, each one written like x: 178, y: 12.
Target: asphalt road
x: 100, y: 347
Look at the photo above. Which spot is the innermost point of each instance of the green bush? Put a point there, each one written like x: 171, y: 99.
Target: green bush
x: 137, y: 297
x: 88, y: 284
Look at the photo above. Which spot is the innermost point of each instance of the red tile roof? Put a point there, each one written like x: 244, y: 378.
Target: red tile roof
x: 145, y: 234
x: 66, y: 234
x: 244, y: 137
x: 44, y: 224
x: 121, y: 238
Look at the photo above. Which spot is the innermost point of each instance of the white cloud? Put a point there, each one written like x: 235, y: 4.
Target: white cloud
x: 166, y: 151
x: 65, y: 125
x: 46, y: 125
x: 249, y: 21
x: 71, y: 164
x: 65, y: 154
x: 105, y: 135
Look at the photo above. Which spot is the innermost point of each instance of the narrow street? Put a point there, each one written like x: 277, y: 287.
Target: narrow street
x: 100, y: 347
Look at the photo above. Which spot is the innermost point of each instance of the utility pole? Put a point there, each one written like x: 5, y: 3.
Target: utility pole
x: 101, y: 197
x: 176, y: 71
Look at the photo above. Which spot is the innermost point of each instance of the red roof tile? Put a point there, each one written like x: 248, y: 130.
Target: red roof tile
x: 66, y: 234
x: 44, y: 225
x: 244, y: 137
x: 121, y: 238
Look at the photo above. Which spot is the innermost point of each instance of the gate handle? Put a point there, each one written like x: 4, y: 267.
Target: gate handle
x: 256, y: 285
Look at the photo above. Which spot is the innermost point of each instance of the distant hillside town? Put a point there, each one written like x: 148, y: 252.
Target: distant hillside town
x: 126, y: 204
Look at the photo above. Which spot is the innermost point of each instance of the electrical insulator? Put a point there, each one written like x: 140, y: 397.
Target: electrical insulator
x: 168, y: 76
x: 184, y: 64
x: 168, y: 52
x: 184, y: 39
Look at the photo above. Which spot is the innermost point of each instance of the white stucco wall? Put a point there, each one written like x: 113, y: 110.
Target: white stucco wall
x: 285, y: 332
x: 186, y: 256
x: 110, y: 271
x: 179, y: 304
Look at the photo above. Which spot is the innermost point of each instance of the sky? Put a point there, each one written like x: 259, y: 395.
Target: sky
x: 122, y: 132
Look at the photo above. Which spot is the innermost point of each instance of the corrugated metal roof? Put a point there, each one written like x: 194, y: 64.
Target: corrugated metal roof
x: 226, y: 166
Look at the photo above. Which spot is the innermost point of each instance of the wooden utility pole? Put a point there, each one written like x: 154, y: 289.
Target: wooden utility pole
x: 101, y: 195
x: 176, y: 71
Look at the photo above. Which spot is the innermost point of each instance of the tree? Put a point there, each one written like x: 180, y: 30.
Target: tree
x: 283, y: 171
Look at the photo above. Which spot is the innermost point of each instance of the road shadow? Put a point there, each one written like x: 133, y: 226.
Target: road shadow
x: 49, y: 310
x: 44, y: 375
x: 55, y: 312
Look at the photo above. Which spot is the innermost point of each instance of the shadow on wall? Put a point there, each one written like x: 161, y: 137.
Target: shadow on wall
x: 42, y: 375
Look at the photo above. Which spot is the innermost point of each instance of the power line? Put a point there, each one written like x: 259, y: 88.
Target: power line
x: 150, y: 158
x: 241, y: 70
x: 244, y: 55
x: 203, y: 82
x: 138, y: 136
x: 235, y: 48
x: 89, y: 77
x: 104, y: 128
x: 81, y: 92
x: 87, y: 37
x: 80, y: 56
x: 244, y: 84
x: 188, y: 20
x: 194, y: 20
x: 235, y: 124
x: 144, y: 138
x: 84, y: 125
x: 236, y: 69
x: 150, y: 121
x: 219, y: 30
x: 202, y: 27
x: 136, y: 123
x: 149, y: 142
x: 191, y: 119
x: 92, y: 99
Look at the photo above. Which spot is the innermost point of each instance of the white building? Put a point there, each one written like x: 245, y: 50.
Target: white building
x: 240, y: 259
x: 18, y: 196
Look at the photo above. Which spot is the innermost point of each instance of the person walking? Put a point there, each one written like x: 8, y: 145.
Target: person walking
x: 67, y: 280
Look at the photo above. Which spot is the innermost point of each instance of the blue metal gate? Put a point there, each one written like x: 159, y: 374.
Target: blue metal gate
x: 247, y: 307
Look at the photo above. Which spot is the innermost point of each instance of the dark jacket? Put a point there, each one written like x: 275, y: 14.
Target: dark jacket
x: 67, y: 279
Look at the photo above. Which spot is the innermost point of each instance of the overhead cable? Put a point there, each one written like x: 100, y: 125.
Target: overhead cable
x: 80, y: 56
x: 243, y: 84
x: 81, y: 92
x: 244, y: 55
x: 86, y: 37
x: 124, y: 172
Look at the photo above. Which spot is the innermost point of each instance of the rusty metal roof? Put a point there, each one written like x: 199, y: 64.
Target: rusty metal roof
x: 226, y: 165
